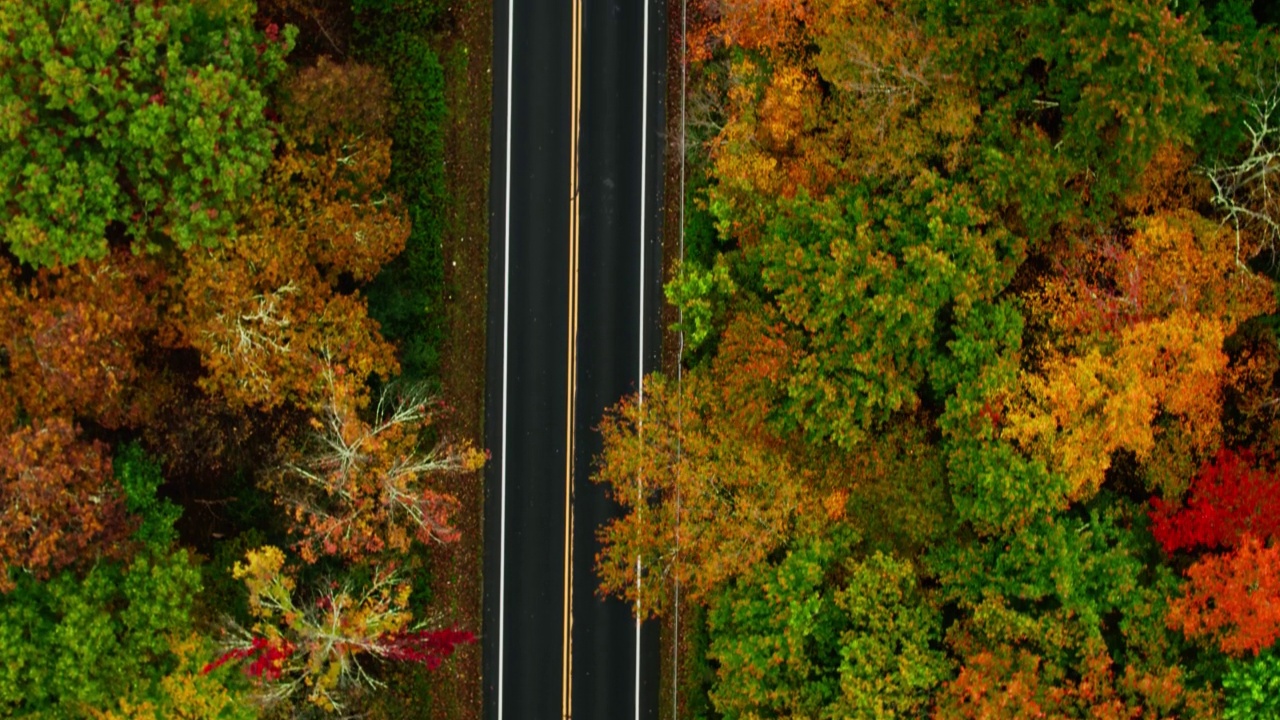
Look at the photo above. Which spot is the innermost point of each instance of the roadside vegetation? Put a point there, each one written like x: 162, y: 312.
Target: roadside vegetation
x: 235, y: 455
x: 977, y: 410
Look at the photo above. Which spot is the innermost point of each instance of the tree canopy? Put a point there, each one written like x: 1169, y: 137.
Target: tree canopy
x: 979, y: 307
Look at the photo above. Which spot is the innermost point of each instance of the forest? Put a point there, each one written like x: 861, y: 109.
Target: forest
x: 229, y: 449
x: 976, y: 412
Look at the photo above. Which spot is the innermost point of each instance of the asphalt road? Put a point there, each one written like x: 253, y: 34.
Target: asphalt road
x: 529, y: 321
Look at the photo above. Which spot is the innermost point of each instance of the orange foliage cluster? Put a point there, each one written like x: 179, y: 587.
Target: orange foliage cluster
x: 1175, y: 260
x: 1013, y: 684
x: 267, y: 310
x: 75, y: 338
x: 761, y: 24
x: 266, y: 322
x: 829, y: 91
x: 74, y: 341
x: 751, y: 366
x: 1233, y: 599
x: 59, y: 504
x: 729, y: 498
x: 1136, y: 334
x: 718, y: 482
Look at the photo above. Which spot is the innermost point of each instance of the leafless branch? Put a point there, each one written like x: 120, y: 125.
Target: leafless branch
x: 1246, y: 191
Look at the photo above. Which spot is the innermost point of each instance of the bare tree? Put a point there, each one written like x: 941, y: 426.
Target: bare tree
x: 364, y: 485
x: 1246, y: 191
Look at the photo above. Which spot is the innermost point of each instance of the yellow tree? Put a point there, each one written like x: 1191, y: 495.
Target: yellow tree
x: 892, y: 107
x: 1133, y: 354
x: 707, y: 487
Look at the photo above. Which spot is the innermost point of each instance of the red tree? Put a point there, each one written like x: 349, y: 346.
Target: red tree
x: 1229, y: 498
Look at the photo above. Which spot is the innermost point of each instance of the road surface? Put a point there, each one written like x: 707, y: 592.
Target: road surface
x: 576, y: 179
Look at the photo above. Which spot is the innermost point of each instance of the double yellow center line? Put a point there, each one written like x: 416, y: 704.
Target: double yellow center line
x: 566, y: 690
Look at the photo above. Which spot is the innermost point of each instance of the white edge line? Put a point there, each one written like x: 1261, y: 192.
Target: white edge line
x: 644, y: 153
x: 506, y: 321
x: 675, y: 640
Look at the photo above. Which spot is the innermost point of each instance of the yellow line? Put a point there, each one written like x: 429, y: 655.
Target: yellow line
x: 566, y: 696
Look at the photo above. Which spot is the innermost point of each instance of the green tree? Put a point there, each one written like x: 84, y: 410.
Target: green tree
x: 776, y: 636
x: 140, y: 478
x: 146, y: 117
x: 1253, y: 687
x: 821, y: 634
x: 889, y: 662
x: 1060, y: 587
x: 76, y: 644
x: 407, y: 298
x: 1075, y: 95
x: 866, y: 283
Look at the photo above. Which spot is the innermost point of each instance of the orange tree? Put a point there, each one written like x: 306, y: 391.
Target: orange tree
x: 702, y: 497
x: 61, y: 504
x: 1133, y: 356
x: 267, y: 310
x: 1233, y: 599
x: 75, y: 338
x: 362, y: 486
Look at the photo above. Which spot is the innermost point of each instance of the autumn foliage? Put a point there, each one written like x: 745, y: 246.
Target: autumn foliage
x: 1230, y: 498
x: 1011, y: 683
x: 1136, y: 333
x: 1233, y: 599
x: 264, y: 310
x: 736, y: 496
x: 968, y: 281
x: 61, y: 505
x: 315, y: 648
x: 188, y: 358
x: 366, y: 484
x: 75, y: 338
